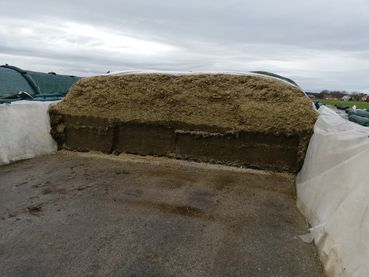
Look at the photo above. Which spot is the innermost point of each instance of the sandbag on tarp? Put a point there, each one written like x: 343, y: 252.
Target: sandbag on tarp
x: 350, y: 111
x: 333, y: 193
x: 25, y: 128
x: 344, y: 108
x: 364, y: 121
x: 361, y: 113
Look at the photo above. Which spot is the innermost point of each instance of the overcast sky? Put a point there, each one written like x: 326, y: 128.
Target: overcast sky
x: 321, y: 44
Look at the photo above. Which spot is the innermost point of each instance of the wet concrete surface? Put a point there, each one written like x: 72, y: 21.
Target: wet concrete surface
x: 74, y: 214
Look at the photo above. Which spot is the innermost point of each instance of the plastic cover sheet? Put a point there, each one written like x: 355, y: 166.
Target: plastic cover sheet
x: 25, y: 131
x: 333, y: 193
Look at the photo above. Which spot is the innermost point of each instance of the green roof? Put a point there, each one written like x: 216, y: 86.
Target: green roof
x: 14, y: 79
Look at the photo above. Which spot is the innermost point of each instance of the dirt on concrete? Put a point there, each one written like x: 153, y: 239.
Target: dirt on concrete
x: 240, y: 120
x: 76, y: 214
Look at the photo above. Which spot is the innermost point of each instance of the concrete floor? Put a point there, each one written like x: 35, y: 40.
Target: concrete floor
x: 75, y: 214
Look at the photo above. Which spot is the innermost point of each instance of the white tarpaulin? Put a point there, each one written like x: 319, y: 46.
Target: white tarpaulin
x: 24, y: 131
x: 333, y: 193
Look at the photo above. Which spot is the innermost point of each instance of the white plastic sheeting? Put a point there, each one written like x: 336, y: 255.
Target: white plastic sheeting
x: 333, y: 193
x: 24, y: 131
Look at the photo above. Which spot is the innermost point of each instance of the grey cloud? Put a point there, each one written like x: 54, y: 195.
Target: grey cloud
x: 321, y: 44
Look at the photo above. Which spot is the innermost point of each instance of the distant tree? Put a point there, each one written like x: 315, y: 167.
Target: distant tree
x: 338, y: 94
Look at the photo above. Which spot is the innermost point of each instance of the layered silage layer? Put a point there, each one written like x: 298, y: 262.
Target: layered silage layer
x: 240, y: 120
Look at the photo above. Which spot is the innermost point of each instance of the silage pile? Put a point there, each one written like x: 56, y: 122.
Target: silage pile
x: 203, y: 101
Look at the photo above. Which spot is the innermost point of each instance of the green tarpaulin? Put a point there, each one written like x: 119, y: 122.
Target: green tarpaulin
x: 14, y: 80
x: 11, y: 82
